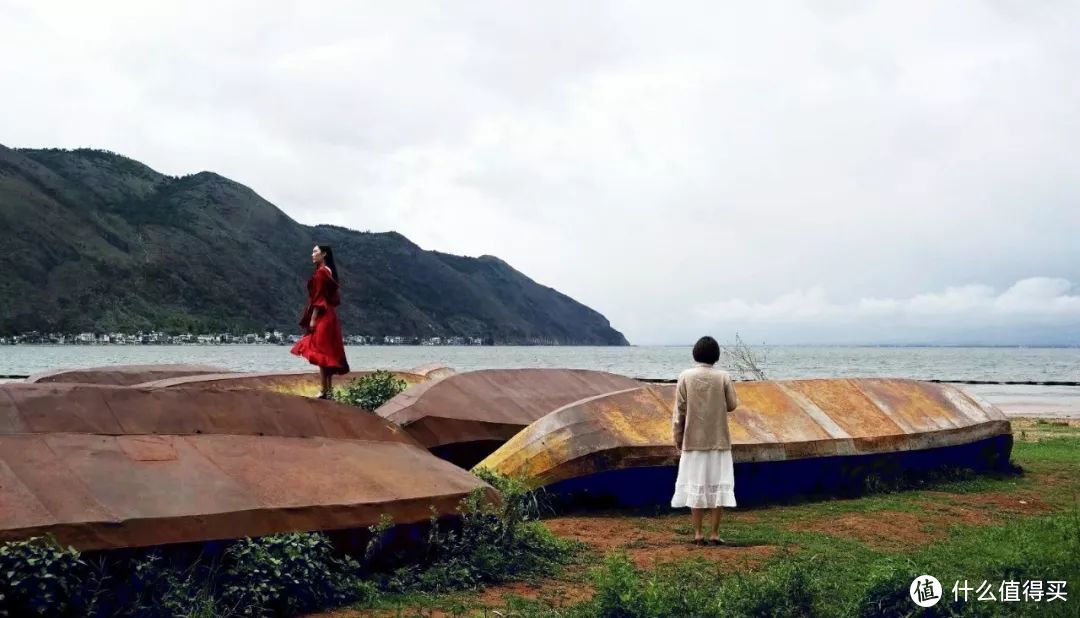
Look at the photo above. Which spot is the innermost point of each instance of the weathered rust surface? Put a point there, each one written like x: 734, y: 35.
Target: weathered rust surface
x: 433, y: 371
x: 465, y: 416
x: 305, y: 383
x: 775, y: 421
x: 108, y: 467
x: 123, y: 375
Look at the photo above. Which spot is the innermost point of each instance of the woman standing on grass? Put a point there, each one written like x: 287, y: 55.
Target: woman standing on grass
x: 322, y: 343
x: 703, y: 397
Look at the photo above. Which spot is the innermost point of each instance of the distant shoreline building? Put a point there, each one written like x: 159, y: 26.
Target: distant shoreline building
x: 267, y: 338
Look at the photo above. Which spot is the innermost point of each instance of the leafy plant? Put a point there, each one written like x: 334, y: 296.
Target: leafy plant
x: 156, y: 587
x: 40, y: 577
x: 520, y: 500
x: 370, y: 391
x: 491, y: 542
x: 288, y: 573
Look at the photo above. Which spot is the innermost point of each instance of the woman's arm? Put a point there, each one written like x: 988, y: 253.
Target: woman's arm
x: 730, y: 395
x: 678, y: 414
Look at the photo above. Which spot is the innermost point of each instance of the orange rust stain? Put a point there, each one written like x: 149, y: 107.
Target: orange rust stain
x: 528, y: 454
x: 636, y: 418
x: 847, y: 407
x: 914, y: 403
x: 777, y: 412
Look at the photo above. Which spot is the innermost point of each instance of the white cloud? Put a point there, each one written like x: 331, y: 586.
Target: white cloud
x: 840, y: 158
x: 1036, y: 304
x: 1035, y: 297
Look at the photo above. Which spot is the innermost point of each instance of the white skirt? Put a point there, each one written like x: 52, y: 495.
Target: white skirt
x: 706, y: 480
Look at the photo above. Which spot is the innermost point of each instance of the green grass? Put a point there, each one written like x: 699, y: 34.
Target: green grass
x: 817, y: 573
x: 1059, y: 449
x: 828, y: 576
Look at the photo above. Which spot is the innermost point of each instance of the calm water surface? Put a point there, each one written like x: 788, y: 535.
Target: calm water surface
x: 996, y: 364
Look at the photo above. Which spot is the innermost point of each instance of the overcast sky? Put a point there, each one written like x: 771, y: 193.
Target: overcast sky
x: 810, y: 172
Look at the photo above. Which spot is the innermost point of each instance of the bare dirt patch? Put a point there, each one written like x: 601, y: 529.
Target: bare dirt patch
x: 894, y: 530
x: 656, y: 543
x: 878, y: 529
x: 1016, y: 503
x: 556, y: 593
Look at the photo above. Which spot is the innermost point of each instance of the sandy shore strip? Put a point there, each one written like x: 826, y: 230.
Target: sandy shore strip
x: 1031, y: 401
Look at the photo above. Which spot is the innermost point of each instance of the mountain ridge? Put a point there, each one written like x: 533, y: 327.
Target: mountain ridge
x: 95, y: 241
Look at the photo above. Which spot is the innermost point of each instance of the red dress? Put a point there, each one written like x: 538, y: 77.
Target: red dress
x: 323, y: 345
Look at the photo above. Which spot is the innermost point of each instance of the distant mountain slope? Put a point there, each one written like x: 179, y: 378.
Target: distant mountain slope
x: 93, y: 241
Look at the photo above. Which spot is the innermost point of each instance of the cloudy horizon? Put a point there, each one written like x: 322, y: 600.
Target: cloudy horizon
x: 822, y: 172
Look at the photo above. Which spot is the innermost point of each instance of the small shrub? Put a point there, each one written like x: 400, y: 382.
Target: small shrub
x: 39, y: 577
x: 618, y: 588
x: 492, y: 542
x: 689, y: 588
x: 370, y: 391
x: 784, y: 590
x: 520, y: 500
x: 698, y: 588
x: 288, y: 573
x: 378, y: 533
x: 154, y: 587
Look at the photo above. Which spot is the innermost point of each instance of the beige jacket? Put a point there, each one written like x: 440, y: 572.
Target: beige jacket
x: 703, y: 398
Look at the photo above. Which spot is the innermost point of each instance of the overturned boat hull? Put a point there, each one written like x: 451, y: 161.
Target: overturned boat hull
x: 109, y: 467
x: 303, y: 383
x: 788, y: 438
x: 464, y: 417
x: 122, y: 375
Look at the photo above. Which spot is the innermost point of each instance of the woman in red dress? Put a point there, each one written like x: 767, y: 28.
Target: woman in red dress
x: 323, y: 344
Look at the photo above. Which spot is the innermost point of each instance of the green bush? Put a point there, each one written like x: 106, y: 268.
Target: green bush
x: 698, y: 588
x: 370, y: 391
x: 155, y: 587
x: 39, y: 577
x: 521, y: 502
x: 491, y: 542
x: 783, y: 591
x: 683, y: 589
x: 287, y: 574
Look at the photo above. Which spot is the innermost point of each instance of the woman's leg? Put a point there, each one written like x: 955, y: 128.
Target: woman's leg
x: 714, y: 525
x: 322, y: 382
x: 696, y: 517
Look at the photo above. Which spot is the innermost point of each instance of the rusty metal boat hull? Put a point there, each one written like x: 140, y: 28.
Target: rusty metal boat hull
x: 110, y: 467
x: 788, y: 438
x: 466, y: 416
x: 122, y: 375
x: 303, y: 383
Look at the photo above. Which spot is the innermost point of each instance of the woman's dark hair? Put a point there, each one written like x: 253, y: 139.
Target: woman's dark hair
x: 706, y: 350
x: 328, y: 260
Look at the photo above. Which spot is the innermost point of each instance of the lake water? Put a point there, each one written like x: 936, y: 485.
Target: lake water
x: 989, y: 364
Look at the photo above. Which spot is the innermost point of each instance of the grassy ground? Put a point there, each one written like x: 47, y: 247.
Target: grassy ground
x: 843, y: 557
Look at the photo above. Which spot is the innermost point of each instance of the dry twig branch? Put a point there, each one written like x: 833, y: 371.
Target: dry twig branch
x: 744, y: 360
